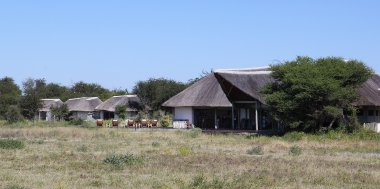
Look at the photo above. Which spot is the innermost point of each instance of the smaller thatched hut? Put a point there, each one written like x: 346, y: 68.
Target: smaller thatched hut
x: 83, y: 107
x: 44, y: 113
x: 106, y: 109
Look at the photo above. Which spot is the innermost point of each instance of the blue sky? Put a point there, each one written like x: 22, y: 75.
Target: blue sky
x: 117, y: 43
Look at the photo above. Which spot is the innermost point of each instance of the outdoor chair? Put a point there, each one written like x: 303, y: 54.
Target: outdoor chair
x: 115, y: 123
x: 144, y: 123
x: 154, y: 123
x: 130, y: 123
x: 99, y: 122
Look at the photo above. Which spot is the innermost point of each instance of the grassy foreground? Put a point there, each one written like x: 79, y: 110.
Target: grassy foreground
x: 73, y: 157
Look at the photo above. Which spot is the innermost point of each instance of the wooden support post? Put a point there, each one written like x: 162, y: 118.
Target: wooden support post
x: 257, y: 117
x: 233, y: 116
x: 216, y: 124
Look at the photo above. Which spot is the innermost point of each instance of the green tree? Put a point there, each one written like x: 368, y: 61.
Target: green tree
x: 13, y: 114
x: 60, y: 112
x: 201, y: 76
x: 154, y: 92
x: 81, y: 89
x: 10, y: 95
x: 121, y: 111
x: 33, y: 91
x: 316, y: 95
x: 54, y: 90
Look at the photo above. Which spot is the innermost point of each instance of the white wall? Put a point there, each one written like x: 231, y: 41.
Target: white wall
x: 83, y: 115
x: 184, y: 113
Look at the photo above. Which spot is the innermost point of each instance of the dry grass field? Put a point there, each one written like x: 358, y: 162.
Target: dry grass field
x: 74, y: 157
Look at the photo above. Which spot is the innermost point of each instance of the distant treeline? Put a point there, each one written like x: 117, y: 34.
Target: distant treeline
x: 18, y: 103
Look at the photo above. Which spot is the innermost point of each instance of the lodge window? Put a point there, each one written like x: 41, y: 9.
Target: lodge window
x: 370, y: 112
x: 377, y: 112
x: 359, y: 113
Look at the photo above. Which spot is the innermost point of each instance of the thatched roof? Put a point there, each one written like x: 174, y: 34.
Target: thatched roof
x: 204, y: 93
x: 369, y: 92
x: 47, y: 103
x: 132, y: 101
x: 244, y: 84
x: 224, y: 85
x: 83, y: 104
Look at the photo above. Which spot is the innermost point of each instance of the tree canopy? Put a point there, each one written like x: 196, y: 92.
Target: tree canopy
x: 154, y: 92
x: 316, y: 94
x: 31, y: 100
x: 60, y: 112
x: 9, y: 95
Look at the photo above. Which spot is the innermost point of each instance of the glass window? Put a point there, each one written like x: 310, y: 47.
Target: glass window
x: 371, y: 112
x: 360, y: 112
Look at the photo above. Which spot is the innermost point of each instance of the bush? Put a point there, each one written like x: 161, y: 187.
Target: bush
x: 295, y: 150
x: 199, y: 181
x: 258, y: 150
x: 365, y: 134
x: 13, y: 115
x: 165, y: 120
x: 118, y: 161
x: 293, y: 136
x: 335, y: 135
x: 194, y: 133
x: 155, y: 144
x: 82, y: 148
x: 11, y: 144
x: 76, y: 121
x: 184, y: 150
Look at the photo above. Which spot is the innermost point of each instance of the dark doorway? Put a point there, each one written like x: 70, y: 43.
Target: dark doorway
x: 108, y: 115
x: 43, y: 115
x: 204, y: 118
x: 223, y: 118
x: 244, y: 116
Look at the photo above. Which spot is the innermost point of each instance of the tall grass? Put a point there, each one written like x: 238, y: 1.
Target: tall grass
x: 11, y: 144
x: 119, y: 161
x: 77, y: 157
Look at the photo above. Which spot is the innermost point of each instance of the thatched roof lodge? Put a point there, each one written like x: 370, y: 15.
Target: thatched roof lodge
x: 44, y: 113
x: 231, y: 99
x: 211, y: 102
x: 83, y: 107
x: 107, y: 108
x: 199, y: 102
x: 369, y: 100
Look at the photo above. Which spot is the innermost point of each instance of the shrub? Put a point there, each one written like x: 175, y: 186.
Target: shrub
x: 194, y: 133
x: 293, y: 136
x: 118, y: 161
x: 155, y: 144
x: 11, y: 144
x: 184, y: 150
x: 199, y: 181
x: 165, y: 120
x: 13, y: 115
x: 252, y: 136
x: 82, y: 148
x: 121, y: 111
x: 295, y: 150
x: 335, y: 135
x: 365, y: 134
x: 258, y: 150
x: 76, y: 121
